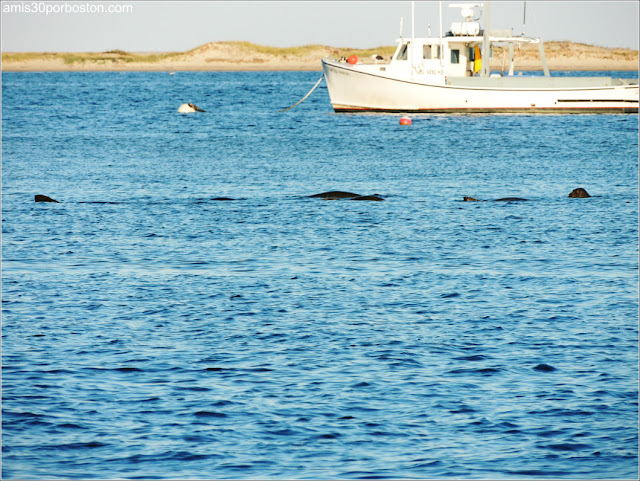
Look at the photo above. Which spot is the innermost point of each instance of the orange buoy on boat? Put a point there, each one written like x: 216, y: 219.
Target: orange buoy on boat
x: 405, y: 121
x: 353, y: 59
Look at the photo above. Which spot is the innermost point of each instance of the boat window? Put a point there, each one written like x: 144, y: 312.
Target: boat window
x: 455, y: 56
x: 437, y: 52
x: 402, y: 54
x: 426, y: 52
x: 471, y: 54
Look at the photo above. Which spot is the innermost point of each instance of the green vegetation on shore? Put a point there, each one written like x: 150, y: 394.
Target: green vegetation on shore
x: 302, y: 51
x: 244, y: 48
x: 69, y: 58
x: 247, y: 53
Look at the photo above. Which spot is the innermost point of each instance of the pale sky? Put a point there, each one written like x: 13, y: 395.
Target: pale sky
x: 179, y: 26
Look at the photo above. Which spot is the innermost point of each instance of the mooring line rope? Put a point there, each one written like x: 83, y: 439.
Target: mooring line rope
x: 302, y: 99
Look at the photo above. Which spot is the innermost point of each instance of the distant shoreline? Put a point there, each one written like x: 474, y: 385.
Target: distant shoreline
x: 287, y: 68
x: 247, y: 57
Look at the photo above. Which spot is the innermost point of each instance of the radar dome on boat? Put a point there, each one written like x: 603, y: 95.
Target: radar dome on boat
x: 467, y: 9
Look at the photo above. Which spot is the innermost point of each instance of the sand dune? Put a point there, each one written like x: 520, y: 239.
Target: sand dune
x: 248, y: 56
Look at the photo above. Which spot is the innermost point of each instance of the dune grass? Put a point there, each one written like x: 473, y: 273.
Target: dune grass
x: 244, y: 48
x: 242, y: 51
x: 70, y: 58
x: 304, y: 50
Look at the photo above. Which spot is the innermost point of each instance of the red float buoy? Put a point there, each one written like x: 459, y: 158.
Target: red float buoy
x: 405, y: 121
x: 353, y: 60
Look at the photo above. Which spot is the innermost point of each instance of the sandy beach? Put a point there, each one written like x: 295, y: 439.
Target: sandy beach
x: 244, y: 56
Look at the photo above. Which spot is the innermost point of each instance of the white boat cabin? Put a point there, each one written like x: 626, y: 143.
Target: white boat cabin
x: 450, y: 74
x: 458, y: 53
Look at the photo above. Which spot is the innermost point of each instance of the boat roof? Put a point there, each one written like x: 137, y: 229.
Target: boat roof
x: 469, y: 39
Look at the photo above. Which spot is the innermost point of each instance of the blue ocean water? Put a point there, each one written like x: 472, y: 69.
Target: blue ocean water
x: 149, y: 331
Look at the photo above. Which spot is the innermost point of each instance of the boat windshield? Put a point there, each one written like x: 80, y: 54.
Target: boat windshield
x: 402, y: 53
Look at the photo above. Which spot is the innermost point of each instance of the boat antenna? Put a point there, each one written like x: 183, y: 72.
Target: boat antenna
x: 401, y: 25
x: 486, y: 52
x: 441, y: 52
x: 413, y: 4
x: 524, y: 17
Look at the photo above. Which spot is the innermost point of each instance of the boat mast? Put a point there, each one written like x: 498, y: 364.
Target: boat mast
x: 485, y: 44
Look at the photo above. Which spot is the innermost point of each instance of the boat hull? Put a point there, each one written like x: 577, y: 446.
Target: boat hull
x: 354, y: 89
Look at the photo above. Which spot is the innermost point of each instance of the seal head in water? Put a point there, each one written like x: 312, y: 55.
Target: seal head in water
x: 579, y: 193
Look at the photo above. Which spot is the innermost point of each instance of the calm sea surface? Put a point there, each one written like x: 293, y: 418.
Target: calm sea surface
x: 150, y: 331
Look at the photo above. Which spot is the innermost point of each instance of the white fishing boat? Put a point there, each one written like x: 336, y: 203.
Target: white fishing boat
x: 448, y: 74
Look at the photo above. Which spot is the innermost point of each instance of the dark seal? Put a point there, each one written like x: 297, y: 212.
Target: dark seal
x: 335, y: 194
x: 44, y: 198
x: 375, y: 198
x: 579, y: 193
x: 503, y: 199
x: 544, y: 368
